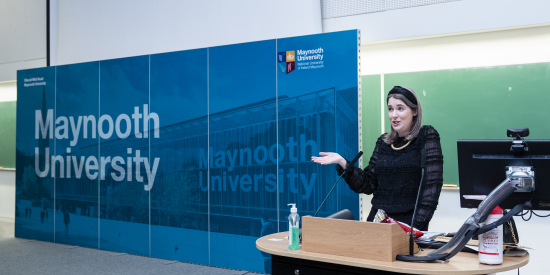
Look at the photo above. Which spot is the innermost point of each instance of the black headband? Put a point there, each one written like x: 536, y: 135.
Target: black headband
x: 406, y: 92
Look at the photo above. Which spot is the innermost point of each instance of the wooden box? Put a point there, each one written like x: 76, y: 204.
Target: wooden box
x: 365, y: 240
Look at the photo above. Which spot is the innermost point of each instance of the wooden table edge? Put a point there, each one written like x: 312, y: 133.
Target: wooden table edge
x: 386, y: 266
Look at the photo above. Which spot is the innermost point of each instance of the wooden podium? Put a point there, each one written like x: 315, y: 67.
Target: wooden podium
x: 364, y: 240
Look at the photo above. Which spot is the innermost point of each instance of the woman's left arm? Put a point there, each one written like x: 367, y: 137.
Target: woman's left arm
x: 432, y: 182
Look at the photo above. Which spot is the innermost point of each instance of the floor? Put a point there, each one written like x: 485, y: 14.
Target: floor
x: 22, y: 256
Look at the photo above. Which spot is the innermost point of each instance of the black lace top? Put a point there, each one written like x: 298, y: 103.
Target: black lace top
x: 393, y: 176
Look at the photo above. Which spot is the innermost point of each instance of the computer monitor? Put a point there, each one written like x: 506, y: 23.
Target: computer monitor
x: 482, y: 167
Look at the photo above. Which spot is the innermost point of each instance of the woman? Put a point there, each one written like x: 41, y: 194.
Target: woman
x: 394, y: 170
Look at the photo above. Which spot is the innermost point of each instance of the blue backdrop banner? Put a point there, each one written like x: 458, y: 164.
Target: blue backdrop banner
x: 190, y: 155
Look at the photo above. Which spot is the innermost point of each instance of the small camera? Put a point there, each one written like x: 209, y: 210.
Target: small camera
x: 517, y: 132
x: 518, y: 145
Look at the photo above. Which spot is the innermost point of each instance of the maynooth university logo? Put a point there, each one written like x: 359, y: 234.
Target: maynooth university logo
x: 286, y: 61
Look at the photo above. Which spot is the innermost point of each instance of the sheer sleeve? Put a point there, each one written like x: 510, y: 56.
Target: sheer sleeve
x: 362, y: 181
x: 432, y: 182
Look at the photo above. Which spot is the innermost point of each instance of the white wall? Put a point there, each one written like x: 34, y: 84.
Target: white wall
x: 442, y: 19
x: 518, y: 46
x: 105, y: 29
x: 8, y: 91
x: 22, y: 36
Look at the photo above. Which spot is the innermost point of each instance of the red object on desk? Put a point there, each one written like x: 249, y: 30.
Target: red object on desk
x: 382, y: 217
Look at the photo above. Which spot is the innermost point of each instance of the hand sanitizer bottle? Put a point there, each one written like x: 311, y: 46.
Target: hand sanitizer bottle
x: 293, y: 228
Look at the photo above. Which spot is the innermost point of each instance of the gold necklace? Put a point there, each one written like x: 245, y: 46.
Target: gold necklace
x: 402, y: 147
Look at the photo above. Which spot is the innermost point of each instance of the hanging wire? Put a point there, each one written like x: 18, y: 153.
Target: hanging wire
x: 529, y: 204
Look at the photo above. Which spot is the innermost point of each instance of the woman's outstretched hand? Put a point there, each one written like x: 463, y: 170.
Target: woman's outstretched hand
x: 329, y: 158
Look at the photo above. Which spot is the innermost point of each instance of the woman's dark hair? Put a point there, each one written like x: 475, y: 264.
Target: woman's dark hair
x: 398, y: 93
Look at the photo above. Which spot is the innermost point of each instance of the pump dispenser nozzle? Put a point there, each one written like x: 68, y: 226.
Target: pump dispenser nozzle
x: 293, y: 209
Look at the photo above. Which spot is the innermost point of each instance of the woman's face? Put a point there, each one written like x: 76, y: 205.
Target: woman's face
x: 401, y: 116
